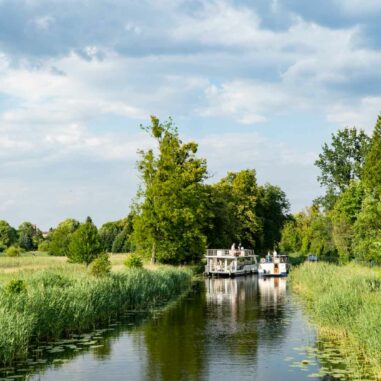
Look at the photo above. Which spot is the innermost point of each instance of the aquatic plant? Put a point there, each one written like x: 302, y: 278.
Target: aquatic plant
x: 345, y: 302
x: 58, y: 304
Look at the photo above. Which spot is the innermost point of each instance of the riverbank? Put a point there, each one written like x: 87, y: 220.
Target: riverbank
x: 345, y: 303
x: 51, y: 304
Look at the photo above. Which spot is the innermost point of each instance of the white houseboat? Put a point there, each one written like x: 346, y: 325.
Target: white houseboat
x: 230, y: 262
x: 274, y: 265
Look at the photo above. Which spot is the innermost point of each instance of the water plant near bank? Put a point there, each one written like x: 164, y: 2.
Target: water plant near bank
x: 49, y: 305
x: 345, y: 302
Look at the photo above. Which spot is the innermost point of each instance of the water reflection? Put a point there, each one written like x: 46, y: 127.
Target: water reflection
x: 175, y: 342
x: 226, y: 329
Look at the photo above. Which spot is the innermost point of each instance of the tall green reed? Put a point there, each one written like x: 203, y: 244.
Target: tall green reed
x: 57, y: 304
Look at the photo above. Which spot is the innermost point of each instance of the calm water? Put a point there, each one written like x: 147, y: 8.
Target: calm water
x: 226, y: 329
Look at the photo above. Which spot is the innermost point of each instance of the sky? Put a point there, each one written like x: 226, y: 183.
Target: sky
x: 258, y: 84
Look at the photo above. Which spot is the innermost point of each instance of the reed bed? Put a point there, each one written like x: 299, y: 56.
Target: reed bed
x: 345, y: 302
x: 48, y: 305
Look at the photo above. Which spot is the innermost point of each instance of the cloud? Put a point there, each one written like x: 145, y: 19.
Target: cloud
x: 249, y: 102
x: 354, y: 7
x: 72, y: 93
x: 278, y: 163
x: 362, y: 114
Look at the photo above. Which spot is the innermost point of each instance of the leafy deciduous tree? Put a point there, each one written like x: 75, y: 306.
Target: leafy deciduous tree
x: 172, y: 213
x: 85, y: 244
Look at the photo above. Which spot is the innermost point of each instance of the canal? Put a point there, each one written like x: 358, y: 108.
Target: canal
x: 225, y: 329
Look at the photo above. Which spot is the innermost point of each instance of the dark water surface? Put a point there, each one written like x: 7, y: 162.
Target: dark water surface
x: 226, y: 329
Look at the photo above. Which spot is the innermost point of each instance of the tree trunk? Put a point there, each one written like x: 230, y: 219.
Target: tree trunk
x: 153, y: 253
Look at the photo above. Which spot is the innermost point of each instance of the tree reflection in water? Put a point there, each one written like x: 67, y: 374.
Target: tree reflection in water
x: 222, y: 320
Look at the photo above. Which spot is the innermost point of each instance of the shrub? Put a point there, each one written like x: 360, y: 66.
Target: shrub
x: 15, y: 286
x: 13, y: 251
x: 44, y: 246
x: 100, y: 266
x: 133, y: 261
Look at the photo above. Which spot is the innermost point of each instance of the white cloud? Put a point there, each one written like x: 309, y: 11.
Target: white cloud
x: 44, y: 23
x: 362, y: 113
x: 249, y: 102
x: 356, y: 7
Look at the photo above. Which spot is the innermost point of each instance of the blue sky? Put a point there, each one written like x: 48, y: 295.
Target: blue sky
x: 259, y: 84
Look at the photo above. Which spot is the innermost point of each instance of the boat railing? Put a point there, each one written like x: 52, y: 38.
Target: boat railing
x: 229, y: 252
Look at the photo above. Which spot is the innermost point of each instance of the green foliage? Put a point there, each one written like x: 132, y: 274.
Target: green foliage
x: 8, y: 235
x: 57, y: 305
x: 346, y: 302
x: 342, y: 160
x: 29, y: 236
x: 133, y: 261
x: 240, y: 191
x: 171, y: 211
x: 244, y: 212
x: 367, y: 231
x: 44, y: 246
x: 13, y: 251
x: 100, y: 266
x: 309, y: 231
x: 122, y: 242
x: 344, y: 215
x: 108, y: 233
x: 59, y: 239
x: 372, y: 167
x: 15, y: 286
x: 271, y: 210
x: 85, y: 244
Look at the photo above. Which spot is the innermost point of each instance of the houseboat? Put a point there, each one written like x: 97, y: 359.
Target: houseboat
x: 230, y: 262
x: 274, y: 265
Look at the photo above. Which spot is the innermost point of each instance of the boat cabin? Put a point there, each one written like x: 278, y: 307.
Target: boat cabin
x: 230, y: 262
x: 274, y: 265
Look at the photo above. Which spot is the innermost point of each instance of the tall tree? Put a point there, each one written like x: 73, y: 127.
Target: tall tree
x: 8, y: 235
x: 367, y: 231
x: 344, y: 215
x: 29, y: 236
x: 59, y: 239
x: 171, y: 208
x: 342, y: 161
x: 372, y: 167
x: 108, y: 232
x: 240, y: 190
x: 271, y: 209
x: 85, y: 244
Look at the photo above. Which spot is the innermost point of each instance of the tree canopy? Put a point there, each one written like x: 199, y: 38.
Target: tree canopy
x: 342, y: 160
x: 171, y: 208
x: 85, y: 244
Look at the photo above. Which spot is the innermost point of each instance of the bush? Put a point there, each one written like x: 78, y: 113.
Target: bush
x: 15, y: 286
x: 133, y: 261
x: 44, y: 246
x: 13, y: 251
x: 100, y: 266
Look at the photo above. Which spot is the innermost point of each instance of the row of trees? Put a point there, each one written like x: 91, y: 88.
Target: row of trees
x: 176, y: 213
x: 27, y: 236
x: 344, y: 224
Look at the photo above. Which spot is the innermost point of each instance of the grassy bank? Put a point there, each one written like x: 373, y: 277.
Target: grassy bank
x: 47, y: 305
x: 345, y: 302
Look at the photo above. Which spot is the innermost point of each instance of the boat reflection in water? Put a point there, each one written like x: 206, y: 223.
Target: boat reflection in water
x: 272, y: 291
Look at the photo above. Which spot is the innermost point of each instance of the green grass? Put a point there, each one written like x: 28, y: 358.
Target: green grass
x: 57, y: 303
x: 345, y: 302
